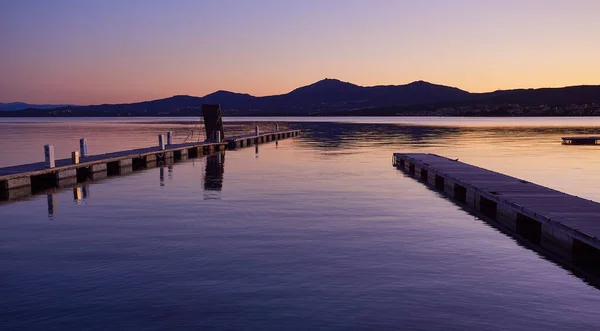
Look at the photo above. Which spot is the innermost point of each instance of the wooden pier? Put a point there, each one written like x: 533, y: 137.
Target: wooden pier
x: 253, y: 139
x: 581, y: 140
x: 564, y: 225
x: 23, y: 180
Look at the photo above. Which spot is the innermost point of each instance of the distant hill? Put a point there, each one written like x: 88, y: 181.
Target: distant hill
x: 21, y: 105
x: 551, y: 96
x: 329, y: 97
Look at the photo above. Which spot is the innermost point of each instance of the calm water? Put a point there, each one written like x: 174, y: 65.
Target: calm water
x: 317, y: 232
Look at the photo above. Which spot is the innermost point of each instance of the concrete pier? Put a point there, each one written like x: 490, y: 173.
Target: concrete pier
x: 561, y: 224
x: 22, y: 180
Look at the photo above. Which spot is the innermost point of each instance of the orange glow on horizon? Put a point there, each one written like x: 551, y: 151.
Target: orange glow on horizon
x: 116, y: 52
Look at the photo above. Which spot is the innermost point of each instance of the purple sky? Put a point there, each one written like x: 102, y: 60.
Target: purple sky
x: 106, y: 51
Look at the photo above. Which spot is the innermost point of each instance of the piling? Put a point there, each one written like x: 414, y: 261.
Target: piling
x: 75, y: 157
x: 49, y: 160
x: 161, y: 142
x: 83, y: 150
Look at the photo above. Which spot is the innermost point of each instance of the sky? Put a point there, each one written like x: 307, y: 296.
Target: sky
x: 116, y: 51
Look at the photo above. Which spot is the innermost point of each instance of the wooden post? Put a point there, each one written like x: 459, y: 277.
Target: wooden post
x: 161, y: 142
x: 169, y: 138
x: 276, y: 127
x: 218, y: 136
x: 49, y: 156
x: 75, y: 157
x: 83, y: 147
x: 257, y: 132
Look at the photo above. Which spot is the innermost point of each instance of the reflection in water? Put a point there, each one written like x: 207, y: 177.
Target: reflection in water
x: 51, y: 206
x: 86, y: 190
x: 213, y: 183
x: 332, y: 136
x: 347, y: 212
x: 213, y: 178
x: 77, y: 194
x: 161, y: 174
x: 256, y: 150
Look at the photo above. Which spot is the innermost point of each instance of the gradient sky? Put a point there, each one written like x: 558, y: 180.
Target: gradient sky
x: 112, y: 51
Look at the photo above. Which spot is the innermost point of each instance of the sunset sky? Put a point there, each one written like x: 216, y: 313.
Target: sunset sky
x: 113, y: 51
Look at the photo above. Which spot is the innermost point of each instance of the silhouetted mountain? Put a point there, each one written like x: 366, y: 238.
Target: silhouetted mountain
x: 550, y: 96
x: 326, y: 90
x: 21, y: 105
x: 231, y: 100
x: 331, y: 97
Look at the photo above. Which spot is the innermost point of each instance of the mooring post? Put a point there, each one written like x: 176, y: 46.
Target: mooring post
x: 83, y: 147
x: 218, y: 136
x: 257, y: 130
x: 169, y: 138
x: 276, y: 127
x: 161, y: 142
x: 75, y: 157
x: 49, y: 156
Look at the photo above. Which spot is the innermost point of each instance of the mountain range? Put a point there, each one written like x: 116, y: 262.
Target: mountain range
x: 21, y: 105
x: 328, y: 97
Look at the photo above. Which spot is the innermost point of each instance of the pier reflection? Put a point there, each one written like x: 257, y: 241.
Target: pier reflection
x: 332, y: 136
x: 161, y: 173
x: 77, y: 194
x: 213, y: 176
x: 327, y: 136
x: 212, y: 183
x: 80, y: 193
x: 51, y: 205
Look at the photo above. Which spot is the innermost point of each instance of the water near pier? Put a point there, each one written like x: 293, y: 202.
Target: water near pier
x: 315, y: 232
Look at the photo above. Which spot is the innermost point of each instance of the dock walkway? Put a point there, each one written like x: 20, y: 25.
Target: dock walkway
x: 250, y: 139
x: 85, y: 161
x: 20, y: 180
x: 562, y: 223
x: 581, y: 140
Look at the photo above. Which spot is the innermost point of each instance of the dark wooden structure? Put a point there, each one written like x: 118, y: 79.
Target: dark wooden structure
x: 213, y: 122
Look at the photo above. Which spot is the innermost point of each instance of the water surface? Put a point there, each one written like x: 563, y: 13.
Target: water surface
x: 315, y: 232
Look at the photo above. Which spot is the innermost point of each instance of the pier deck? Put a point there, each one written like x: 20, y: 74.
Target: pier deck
x: 20, y: 180
x: 581, y: 140
x: 250, y: 139
x: 86, y: 161
x: 562, y: 223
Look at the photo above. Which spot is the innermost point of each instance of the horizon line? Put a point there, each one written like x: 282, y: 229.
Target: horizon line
x: 271, y: 95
